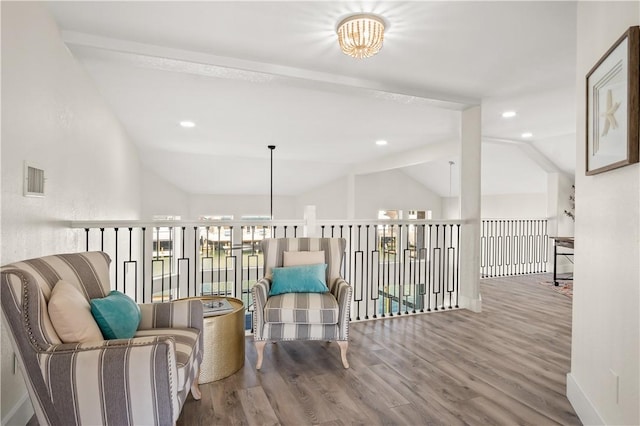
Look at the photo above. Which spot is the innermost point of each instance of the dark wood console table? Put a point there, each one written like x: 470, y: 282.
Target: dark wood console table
x: 566, y: 242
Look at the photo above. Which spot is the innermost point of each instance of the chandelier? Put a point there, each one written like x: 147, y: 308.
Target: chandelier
x: 361, y: 36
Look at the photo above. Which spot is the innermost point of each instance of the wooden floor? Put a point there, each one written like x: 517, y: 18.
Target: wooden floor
x: 504, y: 366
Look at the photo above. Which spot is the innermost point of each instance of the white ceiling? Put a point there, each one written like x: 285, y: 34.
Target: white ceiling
x: 251, y: 74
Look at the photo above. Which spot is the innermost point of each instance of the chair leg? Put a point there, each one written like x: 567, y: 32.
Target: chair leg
x: 344, y: 345
x: 195, y: 388
x: 260, y: 344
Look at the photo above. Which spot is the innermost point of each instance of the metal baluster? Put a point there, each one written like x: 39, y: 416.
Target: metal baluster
x: 430, y: 267
x: 422, y: 268
x: 458, y: 268
x: 196, y: 242
x: 450, y: 269
x: 116, y: 259
x: 365, y: 272
x: 144, y: 261
x: 375, y: 261
x: 438, y: 278
x: 126, y: 268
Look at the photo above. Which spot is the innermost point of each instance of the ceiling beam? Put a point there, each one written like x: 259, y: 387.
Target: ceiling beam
x: 530, y: 151
x: 425, y: 154
x: 180, y: 60
x: 447, y: 150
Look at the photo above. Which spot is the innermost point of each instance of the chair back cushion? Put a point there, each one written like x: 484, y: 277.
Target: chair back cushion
x: 333, y: 248
x: 117, y: 315
x: 299, y: 279
x: 70, y: 314
x: 28, y: 285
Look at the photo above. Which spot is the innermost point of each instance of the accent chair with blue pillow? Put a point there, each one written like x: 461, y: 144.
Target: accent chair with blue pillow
x: 127, y: 364
x: 302, y: 295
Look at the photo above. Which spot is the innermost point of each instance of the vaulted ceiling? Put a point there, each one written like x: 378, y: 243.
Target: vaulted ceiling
x: 252, y: 74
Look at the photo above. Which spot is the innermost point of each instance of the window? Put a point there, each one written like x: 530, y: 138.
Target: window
x: 217, y: 217
x: 390, y: 214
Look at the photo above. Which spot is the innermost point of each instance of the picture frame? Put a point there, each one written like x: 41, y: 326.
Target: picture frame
x: 613, y: 106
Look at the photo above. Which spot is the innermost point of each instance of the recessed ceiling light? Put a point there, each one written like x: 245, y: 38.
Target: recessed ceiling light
x: 508, y: 114
x: 187, y: 124
x: 381, y: 142
x: 527, y: 135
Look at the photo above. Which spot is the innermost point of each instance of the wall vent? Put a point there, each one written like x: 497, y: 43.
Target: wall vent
x: 33, y: 181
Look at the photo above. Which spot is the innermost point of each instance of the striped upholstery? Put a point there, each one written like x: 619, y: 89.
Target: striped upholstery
x: 333, y: 248
x: 283, y: 331
x: 302, y: 308
x: 144, y: 380
x: 187, y: 343
x: 302, y: 316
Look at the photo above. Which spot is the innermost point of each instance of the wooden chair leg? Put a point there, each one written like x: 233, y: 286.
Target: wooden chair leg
x: 344, y: 345
x: 195, y: 388
x: 260, y: 344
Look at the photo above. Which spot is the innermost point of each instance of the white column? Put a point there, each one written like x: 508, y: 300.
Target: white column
x: 310, y: 227
x: 559, y: 224
x: 470, y: 206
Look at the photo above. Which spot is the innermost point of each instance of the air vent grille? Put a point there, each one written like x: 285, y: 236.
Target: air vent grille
x: 34, y: 181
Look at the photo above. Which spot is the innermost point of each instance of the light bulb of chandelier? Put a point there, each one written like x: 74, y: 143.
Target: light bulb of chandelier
x: 361, y: 36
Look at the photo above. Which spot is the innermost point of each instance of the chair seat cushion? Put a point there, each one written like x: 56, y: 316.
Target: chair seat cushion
x: 302, y: 308
x: 186, y: 347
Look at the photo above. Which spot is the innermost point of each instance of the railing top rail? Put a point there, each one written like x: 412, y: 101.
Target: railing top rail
x: 514, y: 219
x: 389, y: 222
x: 178, y: 223
x: 80, y: 224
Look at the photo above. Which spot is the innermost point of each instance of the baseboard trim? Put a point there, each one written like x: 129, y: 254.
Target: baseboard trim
x: 564, y: 269
x: 581, y: 404
x: 20, y: 414
x: 474, y: 305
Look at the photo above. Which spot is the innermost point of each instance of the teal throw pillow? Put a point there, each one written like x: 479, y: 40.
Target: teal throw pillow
x: 299, y: 279
x: 117, y: 315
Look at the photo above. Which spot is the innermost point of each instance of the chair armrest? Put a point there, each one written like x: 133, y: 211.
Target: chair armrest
x: 178, y: 314
x: 260, y: 292
x: 124, y: 381
x: 342, y: 292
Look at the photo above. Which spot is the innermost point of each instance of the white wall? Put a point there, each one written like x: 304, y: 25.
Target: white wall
x: 503, y: 206
x: 330, y: 200
x: 160, y: 197
x: 606, y: 324
x: 565, y: 225
x: 239, y: 205
x: 52, y: 115
x: 451, y: 208
x: 392, y: 190
x: 559, y: 224
x: 512, y: 206
x: 377, y: 191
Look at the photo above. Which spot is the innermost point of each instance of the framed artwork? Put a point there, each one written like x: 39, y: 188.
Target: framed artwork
x: 613, y: 106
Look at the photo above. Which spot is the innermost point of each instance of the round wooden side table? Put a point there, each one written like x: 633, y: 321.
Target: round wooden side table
x: 223, y: 340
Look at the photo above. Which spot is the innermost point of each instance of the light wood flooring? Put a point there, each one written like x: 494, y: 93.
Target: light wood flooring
x: 504, y: 366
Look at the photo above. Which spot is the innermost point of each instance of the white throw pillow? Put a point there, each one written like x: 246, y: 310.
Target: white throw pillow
x: 298, y: 258
x: 70, y: 315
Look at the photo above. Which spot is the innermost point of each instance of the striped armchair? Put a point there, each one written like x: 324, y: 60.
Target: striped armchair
x: 302, y: 316
x: 141, y: 380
